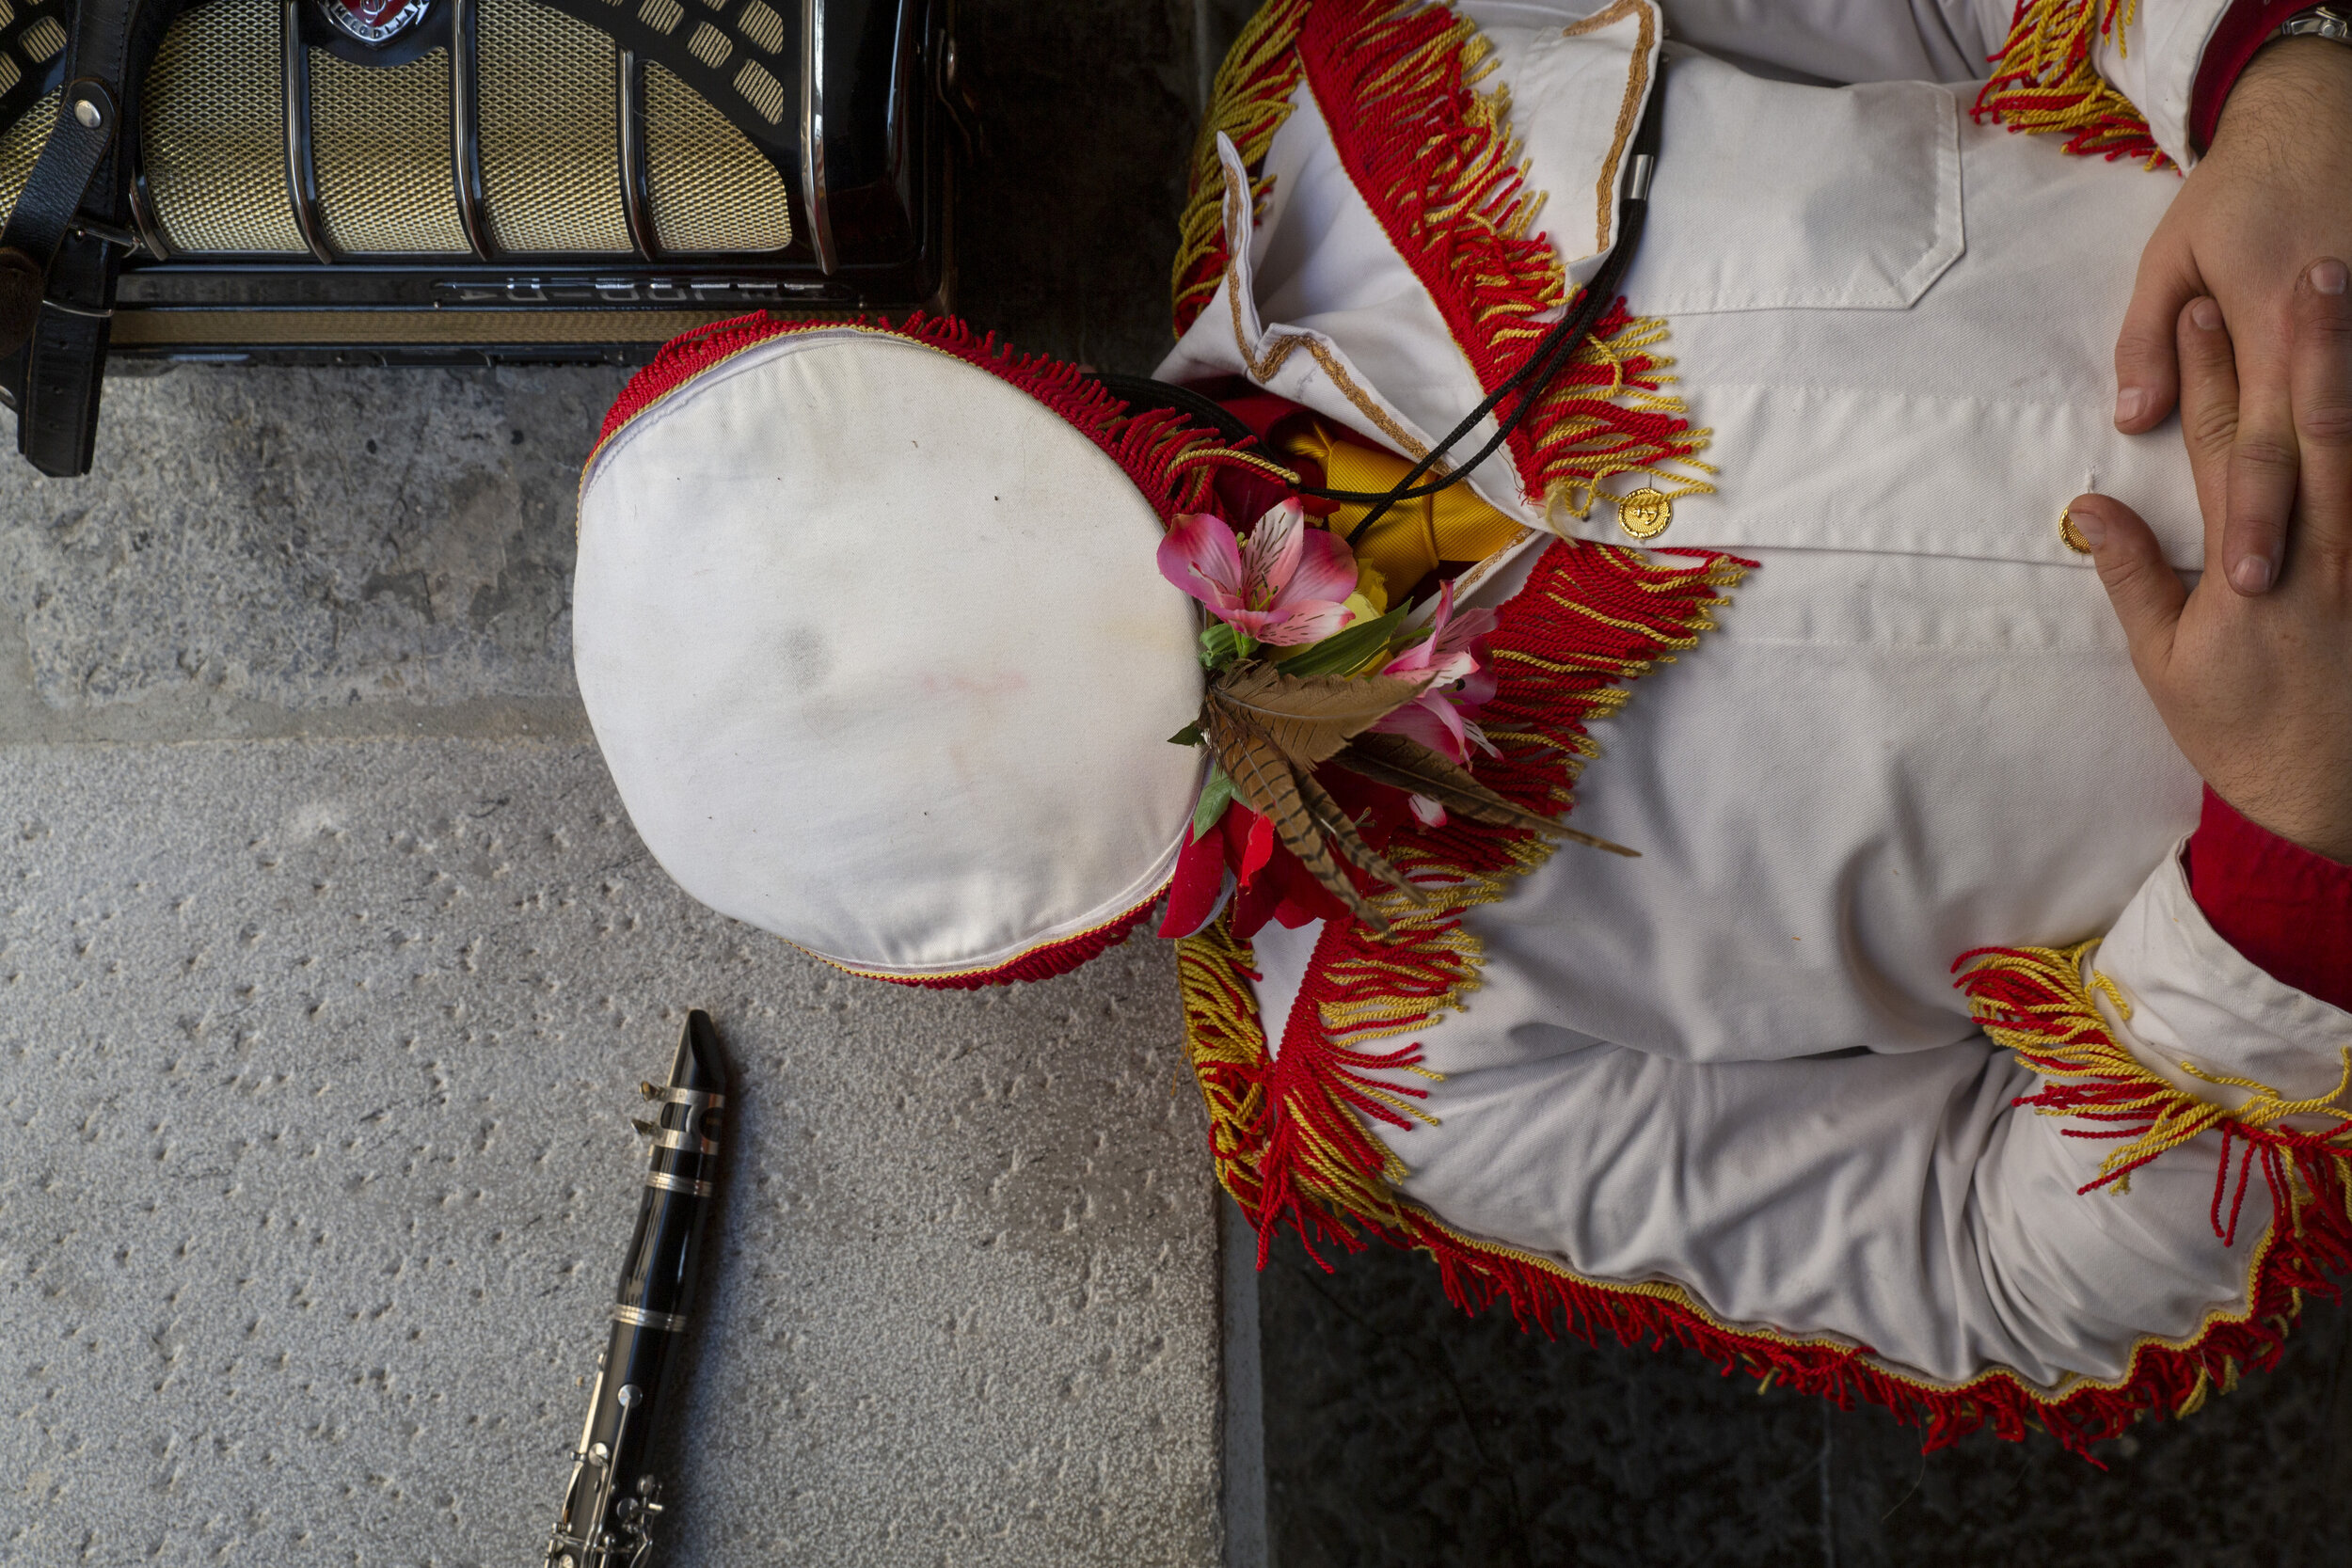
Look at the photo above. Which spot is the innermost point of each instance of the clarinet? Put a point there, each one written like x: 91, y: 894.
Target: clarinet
x: 614, y: 1499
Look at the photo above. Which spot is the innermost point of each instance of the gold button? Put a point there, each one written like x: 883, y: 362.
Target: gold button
x: 2071, y: 536
x: 1645, y: 512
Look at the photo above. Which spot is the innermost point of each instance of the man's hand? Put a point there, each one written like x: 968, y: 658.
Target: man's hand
x: 2272, y: 196
x: 2257, y: 690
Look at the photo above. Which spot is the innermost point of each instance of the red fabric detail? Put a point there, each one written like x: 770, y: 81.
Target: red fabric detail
x: 2287, y: 911
x: 1247, y: 491
x: 1198, y: 883
x: 1271, y: 883
x: 1430, y: 164
x: 1257, y: 843
x: 2244, y: 27
x: 1249, y: 402
x: 1039, y: 963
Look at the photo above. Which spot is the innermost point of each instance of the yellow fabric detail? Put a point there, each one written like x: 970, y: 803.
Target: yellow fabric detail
x: 1412, y: 537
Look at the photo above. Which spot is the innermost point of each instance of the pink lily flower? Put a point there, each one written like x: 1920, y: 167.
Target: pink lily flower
x: 1456, y: 651
x: 1284, y: 584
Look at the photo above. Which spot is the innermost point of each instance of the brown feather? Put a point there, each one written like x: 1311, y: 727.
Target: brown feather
x: 1408, y: 765
x: 1333, y: 821
x: 1267, y: 783
x: 1308, y: 717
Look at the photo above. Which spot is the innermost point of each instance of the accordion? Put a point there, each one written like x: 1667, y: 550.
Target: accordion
x: 453, y: 181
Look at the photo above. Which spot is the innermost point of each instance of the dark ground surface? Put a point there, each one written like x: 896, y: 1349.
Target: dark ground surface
x: 1399, y: 1432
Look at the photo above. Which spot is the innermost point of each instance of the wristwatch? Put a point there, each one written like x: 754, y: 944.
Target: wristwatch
x: 2325, y: 22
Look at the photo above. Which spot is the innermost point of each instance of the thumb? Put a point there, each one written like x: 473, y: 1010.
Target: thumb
x: 2145, y: 591
x: 2147, y: 371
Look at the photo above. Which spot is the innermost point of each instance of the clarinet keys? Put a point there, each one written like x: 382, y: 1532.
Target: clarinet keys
x: 615, y: 1499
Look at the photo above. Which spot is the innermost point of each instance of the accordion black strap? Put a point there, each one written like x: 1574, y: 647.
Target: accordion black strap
x: 72, y: 198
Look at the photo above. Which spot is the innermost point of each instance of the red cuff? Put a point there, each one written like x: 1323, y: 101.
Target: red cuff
x: 2248, y: 26
x: 2287, y: 911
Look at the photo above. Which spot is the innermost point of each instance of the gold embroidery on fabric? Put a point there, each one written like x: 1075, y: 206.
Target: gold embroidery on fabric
x: 1637, y: 82
x: 1236, y: 458
x: 1249, y: 102
x: 1278, y: 349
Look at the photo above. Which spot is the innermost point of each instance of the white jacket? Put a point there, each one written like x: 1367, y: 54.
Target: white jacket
x: 1737, y: 1068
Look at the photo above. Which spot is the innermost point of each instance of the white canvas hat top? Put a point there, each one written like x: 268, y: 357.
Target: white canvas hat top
x: 870, y: 631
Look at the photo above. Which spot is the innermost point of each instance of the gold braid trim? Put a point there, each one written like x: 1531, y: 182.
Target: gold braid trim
x: 1250, y: 101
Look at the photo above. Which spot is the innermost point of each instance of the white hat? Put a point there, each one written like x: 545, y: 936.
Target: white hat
x: 870, y: 630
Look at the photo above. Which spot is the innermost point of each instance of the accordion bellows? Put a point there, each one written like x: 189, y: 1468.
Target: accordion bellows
x: 487, y: 181
x: 879, y: 654
x: 214, y: 133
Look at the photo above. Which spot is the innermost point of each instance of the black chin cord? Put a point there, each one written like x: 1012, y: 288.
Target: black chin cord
x: 1531, y: 381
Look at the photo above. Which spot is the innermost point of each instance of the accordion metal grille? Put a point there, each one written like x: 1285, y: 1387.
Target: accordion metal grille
x: 213, y: 132
x: 384, y: 148
x: 710, y: 187
x: 550, y: 114
x: 19, y: 144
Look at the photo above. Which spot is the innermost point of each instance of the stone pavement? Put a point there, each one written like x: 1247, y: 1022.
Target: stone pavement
x: 318, y: 1060
x: 329, y: 962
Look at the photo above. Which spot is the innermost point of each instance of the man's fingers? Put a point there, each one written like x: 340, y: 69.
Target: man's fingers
x: 2146, y: 592
x: 2147, y: 380
x: 2208, y: 411
x: 2264, y: 461
x: 2321, y: 378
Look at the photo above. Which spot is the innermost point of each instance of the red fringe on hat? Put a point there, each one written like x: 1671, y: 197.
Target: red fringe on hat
x: 1039, y: 963
x: 1169, y: 460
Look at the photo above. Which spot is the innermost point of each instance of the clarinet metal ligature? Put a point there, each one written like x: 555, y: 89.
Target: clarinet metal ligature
x: 614, y: 1500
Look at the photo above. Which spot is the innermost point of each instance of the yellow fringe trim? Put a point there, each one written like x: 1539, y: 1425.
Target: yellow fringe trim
x: 2065, y: 1038
x: 1249, y: 102
x: 2044, y: 82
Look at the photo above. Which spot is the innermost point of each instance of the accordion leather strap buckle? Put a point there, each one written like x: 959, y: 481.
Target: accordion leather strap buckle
x: 44, y: 212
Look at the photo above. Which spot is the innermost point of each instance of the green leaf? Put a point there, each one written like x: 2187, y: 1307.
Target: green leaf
x: 1189, y: 735
x: 1216, y: 796
x: 1343, y: 650
x: 1220, y: 645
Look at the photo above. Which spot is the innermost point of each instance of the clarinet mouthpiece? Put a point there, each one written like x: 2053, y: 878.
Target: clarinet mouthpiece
x: 696, y: 1065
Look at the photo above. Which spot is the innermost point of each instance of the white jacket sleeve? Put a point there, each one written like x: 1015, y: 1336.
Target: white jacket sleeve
x: 1906, y: 1203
